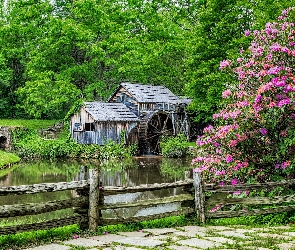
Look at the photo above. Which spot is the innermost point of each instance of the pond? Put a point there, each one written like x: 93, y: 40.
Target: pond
x: 128, y: 172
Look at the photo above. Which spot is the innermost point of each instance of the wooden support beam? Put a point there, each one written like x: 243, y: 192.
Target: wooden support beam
x: 93, y: 212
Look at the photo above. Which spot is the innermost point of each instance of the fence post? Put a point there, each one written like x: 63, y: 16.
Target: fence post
x: 199, y: 196
x: 93, y: 212
x: 188, y: 189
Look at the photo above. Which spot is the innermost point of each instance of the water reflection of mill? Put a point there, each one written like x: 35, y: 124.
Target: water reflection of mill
x: 134, y: 177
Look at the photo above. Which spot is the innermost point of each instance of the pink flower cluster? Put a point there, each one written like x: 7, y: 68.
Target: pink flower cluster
x: 224, y: 64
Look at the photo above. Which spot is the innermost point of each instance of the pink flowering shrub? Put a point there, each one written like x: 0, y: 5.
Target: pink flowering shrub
x: 253, y: 139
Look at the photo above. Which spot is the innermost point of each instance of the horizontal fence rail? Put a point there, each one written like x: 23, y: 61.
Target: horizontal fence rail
x: 43, y: 187
x: 203, y: 213
x: 148, y: 187
x: 248, y: 187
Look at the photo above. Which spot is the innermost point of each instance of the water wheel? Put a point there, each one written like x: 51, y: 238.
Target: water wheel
x: 151, y: 130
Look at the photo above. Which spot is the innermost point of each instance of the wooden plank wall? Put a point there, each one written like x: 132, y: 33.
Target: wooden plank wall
x: 103, y: 131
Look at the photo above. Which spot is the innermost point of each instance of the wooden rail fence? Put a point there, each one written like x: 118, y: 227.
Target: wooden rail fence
x: 275, y: 204
x: 89, y: 204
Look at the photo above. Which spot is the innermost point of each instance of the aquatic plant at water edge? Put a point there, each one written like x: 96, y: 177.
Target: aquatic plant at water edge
x: 174, y: 147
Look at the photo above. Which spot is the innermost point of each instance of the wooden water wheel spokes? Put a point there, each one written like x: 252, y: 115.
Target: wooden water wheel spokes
x: 158, y: 124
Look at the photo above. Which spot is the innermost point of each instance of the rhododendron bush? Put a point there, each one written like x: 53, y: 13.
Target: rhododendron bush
x: 253, y: 139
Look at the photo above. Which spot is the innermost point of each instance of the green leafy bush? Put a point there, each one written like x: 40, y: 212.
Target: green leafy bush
x: 7, y: 158
x: 174, y: 147
x: 28, y: 144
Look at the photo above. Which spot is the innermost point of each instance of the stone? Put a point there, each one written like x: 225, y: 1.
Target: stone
x: 239, y: 230
x: 108, y: 238
x: 134, y: 234
x: 291, y: 234
x: 219, y: 228
x: 195, y: 228
x: 85, y: 242
x: 221, y: 240
x: 50, y: 247
x: 190, y: 234
x: 233, y: 234
x: 141, y: 241
x: 164, y: 237
x: 192, y: 231
x: 158, y: 231
x: 200, y: 243
x: 286, y: 246
x: 119, y: 248
x: 281, y: 227
x: 174, y: 247
x: 277, y: 236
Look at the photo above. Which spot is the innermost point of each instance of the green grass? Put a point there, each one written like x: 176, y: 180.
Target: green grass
x: 15, y: 241
x: 67, y: 232
x: 31, y: 124
x: 191, y: 144
x: 173, y: 221
x: 7, y: 158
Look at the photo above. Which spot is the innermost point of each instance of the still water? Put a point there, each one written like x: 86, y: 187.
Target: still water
x: 127, y: 172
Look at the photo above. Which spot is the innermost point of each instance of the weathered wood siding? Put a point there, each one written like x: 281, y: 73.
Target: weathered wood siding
x: 125, y: 97
x: 98, y: 132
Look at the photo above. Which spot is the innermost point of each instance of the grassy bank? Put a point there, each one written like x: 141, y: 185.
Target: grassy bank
x: 7, y: 159
x: 30, y: 124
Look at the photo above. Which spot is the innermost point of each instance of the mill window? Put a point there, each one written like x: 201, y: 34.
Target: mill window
x: 89, y: 126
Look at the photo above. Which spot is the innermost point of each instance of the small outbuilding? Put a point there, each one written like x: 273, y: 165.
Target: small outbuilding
x: 98, y: 122
x: 144, y: 113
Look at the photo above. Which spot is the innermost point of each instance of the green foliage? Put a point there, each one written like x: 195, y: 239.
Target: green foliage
x: 174, y: 147
x: 7, y: 159
x: 54, y: 53
x: 174, y: 221
x: 30, y: 124
x: 27, y: 238
x: 29, y: 144
x: 282, y: 218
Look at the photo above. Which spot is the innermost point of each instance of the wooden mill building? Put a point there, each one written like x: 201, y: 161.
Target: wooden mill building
x: 144, y: 113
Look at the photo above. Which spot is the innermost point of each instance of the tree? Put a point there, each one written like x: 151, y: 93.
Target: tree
x: 217, y: 35
x: 219, y: 30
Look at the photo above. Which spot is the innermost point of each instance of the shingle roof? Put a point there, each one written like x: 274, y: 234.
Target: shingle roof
x: 149, y: 93
x: 101, y: 111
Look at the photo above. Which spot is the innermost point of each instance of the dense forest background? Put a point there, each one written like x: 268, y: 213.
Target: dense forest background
x: 55, y: 53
